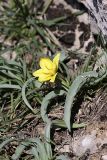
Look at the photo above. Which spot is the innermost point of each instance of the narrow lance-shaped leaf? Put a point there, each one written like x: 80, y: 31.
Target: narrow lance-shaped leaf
x: 5, y: 142
x: 10, y: 86
x: 48, y: 140
x: 62, y: 157
x: 38, y: 149
x: 72, y: 92
x: 34, y: 152
x: 45, y: 103
x: 61, y: 123
x: 24, y: 95
x: 41, y: 149
x: 46, y: 5
x: 19, y: 150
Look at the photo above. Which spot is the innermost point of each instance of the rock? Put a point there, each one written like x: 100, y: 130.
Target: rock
x: 9, y: 55
x: 98, y: 13
x: 84, y: 143
x: 104, y: 157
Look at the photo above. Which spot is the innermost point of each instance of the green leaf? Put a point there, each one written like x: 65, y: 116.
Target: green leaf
x: 48, y: 139
x: 4, y: 143
x: 40, y: 149
x: 46, y: 5
x: 41, y: 32
x: 78, y: 83
x: 10, y: 86
x: 7, y: 68
x: 50, y: 23
x: 24, y: 70
x: 45, y: 103
x: 34, y: 152
x: 24, y: 95
x: 61, y: 123
x: 62, y: 157
x: 19, y: 150
x: 11, y: 75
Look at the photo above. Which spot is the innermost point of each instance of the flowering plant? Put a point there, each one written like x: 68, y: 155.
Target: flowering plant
x: 48, y: 70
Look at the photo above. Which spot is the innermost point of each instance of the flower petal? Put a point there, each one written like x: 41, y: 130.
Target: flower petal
x: 44, y: 77
x: 38, y: 72
x: 46, y: 71
x: 56, y: 59
x: 53, y: 78
x: 46, y: 63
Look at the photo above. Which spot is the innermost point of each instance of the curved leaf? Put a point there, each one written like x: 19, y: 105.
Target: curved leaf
x: 10, y: 86
x: 19, y: 150
x: 6, y: 142
x: 48, y: 139
x: 72, y: 92
x: 41, y: 150
x: 61, y: 123
x: 45, y: 103
x: 34, y: 152
x: 24, y: 95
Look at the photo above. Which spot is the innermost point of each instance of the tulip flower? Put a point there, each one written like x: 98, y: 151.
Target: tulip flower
x: 48, y: 70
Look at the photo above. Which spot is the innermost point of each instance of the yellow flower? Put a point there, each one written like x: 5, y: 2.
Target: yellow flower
x: 48, y: 69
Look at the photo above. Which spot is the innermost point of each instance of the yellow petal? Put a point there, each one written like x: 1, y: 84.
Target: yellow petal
x: 44, y: 77
x: 46, y: 71
x: 38, y: 72
x: 53, y: 78
x: 56, y: 59
x: 46, y: 63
